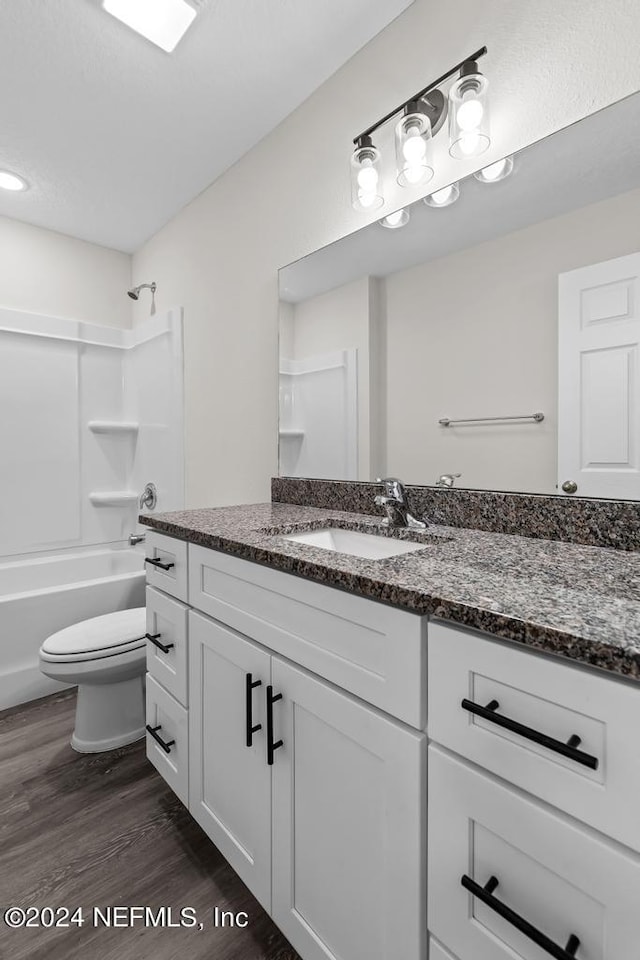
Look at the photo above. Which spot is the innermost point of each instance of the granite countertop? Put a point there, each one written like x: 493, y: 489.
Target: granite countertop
x: 576, y: 601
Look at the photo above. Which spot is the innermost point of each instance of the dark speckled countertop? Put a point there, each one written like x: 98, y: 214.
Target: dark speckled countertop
x: 575, y: 601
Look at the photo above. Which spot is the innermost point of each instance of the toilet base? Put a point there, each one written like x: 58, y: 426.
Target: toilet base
x: 109, y: 715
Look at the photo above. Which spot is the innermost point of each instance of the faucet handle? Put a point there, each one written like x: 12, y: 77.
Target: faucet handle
x: 447, y: 479
x: 392, y: 487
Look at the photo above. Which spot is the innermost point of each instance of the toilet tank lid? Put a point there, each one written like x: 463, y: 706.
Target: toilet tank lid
x: 100, y: 633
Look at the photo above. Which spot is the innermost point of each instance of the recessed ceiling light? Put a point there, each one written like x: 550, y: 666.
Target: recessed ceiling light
x: 163, y: 22
x: 11, y: 181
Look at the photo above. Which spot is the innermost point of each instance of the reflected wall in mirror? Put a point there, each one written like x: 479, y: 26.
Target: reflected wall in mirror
x: 523, y: 297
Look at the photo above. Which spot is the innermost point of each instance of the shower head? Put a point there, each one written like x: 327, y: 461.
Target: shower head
x: 134, y: 293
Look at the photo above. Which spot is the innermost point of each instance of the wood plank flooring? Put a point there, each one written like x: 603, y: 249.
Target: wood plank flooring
x: 103, y: 830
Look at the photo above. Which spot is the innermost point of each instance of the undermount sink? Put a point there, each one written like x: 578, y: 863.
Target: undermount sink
x: 369, y: 546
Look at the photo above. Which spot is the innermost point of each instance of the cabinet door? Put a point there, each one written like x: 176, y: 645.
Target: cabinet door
x: 349, y: 810
x: 230, y: 782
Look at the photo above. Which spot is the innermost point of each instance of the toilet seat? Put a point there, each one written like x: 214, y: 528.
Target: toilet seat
x: 111, y: 635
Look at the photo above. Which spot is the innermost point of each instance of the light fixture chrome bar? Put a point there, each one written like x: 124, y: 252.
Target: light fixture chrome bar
x: 418, y: 96
x: 537, y: 417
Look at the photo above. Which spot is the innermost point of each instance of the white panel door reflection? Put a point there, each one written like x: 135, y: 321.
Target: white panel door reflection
x: 599, y: 386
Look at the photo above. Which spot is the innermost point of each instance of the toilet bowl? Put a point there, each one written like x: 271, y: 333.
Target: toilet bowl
x: 106, y: 658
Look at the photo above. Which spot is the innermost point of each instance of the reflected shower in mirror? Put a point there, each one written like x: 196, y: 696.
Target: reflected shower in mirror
x: 495, y: 338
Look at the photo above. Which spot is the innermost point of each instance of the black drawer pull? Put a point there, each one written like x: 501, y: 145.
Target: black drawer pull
x: 271, y: 746
x: 540, y: 939
x: 165, y: 744
x: 250, y: 685
x: 155, y: 640
x: 566, y: 749
x: 159, y: 563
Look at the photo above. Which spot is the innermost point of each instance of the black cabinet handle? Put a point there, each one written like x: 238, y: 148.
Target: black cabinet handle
x: 271, y: 746
x: 165, y: 744
x: 158, y: 563
x: 155, y: 640
x: 250, y: 685
x: 567, y: 749
x: 540, y: 939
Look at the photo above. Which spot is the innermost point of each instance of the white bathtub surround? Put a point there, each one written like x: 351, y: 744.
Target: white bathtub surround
x: 96, y: 413
x: 41, y: 595
x: 106, y: 657
x: 319, y: 415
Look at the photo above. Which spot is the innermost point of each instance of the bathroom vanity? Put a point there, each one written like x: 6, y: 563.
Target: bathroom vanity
x: 404, y: 757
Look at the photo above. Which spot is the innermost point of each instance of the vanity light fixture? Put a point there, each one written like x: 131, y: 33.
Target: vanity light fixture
x: 444, y: 197
x: 469, y: 113
x: 495, y: 172
x: 422, y: 116
x: 366, y: 183
x: 413, y: 146
x: 11, y: 181
x: 163, y: 22
x: 394, y: 220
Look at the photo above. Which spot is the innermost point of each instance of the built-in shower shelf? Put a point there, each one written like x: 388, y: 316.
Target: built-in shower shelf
x: 113, y: 426
x: 116, y: 498
x: 291, y: 433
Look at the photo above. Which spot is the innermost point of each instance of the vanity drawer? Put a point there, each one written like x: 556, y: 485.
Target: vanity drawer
x: 556, y: 875
x: 548, y: 697
x: 170, y: 723
x: 374, y: 651
x: 166, y: 564
x: 167, y: 624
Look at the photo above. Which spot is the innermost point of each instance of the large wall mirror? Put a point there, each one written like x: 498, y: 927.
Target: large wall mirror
x: 496, y: 337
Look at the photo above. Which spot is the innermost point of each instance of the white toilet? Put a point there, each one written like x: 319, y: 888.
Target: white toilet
x: 106, y: 657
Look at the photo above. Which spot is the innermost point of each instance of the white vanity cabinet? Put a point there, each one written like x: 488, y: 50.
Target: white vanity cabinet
x: 534, y: 777
x: 294, y: 723
x: 313, y: 792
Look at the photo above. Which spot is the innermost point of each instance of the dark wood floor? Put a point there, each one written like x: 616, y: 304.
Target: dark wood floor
x: 103, y: 830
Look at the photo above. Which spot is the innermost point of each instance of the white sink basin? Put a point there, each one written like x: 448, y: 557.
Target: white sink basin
x: 369, y: 546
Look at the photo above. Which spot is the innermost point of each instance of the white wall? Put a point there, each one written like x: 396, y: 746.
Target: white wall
x: 476, y: 334
x: 549, y: 64
x: 48, y: 273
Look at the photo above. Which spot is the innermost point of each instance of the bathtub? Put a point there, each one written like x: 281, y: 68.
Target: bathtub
x: 43, y: 594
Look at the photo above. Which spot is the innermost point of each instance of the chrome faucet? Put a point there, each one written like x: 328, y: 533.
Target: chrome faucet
x: 447, y: 479
x: 149, y: 496
x: 135, y: 538
x: 394, y: 501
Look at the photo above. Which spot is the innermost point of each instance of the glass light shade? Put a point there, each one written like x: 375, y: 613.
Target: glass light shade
x: 469, y: 129
x: 366, y: 179
x: 499, y: 170
x: 413, y: 150
x: 394, y: 220
x: 444, y: 197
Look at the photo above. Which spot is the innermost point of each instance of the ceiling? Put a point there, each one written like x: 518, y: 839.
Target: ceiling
x: 115, y: 136
x: 598, y: 157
